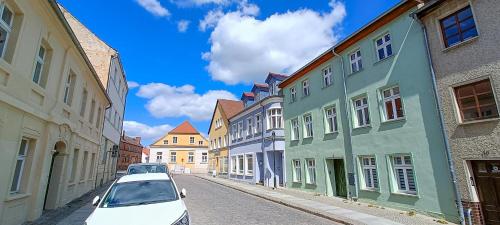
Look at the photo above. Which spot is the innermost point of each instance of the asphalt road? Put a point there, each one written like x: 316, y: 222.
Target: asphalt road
x: 210, y: 203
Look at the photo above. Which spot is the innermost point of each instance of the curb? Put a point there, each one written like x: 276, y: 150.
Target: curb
x: 319, y: 214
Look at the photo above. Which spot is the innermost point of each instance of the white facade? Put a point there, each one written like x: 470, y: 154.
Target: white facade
x: 198, y: 166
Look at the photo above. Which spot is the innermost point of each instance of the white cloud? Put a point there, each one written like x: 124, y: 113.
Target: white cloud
x: 188, y: 3
x: 132, y: 84
x: 154, y: 7
x: 171, y: 101
x: 211, y: 19
x: 146, y: 132
x: 183, y: 25
x: 244, y: 49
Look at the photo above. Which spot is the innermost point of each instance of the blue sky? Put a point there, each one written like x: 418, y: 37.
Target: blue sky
x: 183, y: 54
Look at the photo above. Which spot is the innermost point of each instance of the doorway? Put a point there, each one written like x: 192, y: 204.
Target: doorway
x: 55, y: 176
x: 487, y: 181
x: 330, y: 178
x: 340, y: 180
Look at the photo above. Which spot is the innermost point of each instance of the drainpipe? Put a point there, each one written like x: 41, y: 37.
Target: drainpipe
x: 441, y: 122
x: 346, y: 101
x: 262, y: 142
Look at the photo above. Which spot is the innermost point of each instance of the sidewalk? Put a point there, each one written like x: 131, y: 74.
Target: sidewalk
x: 336, y: 209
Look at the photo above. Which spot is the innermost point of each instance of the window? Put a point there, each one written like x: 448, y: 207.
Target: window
x: 361, y: 110
x: 219, y: 143
x: 84, y: 103
x: 165, y: 142
x: 403, y: 170
x: 258, y: 123
x: 84, y: 165
x: 92, y: 111
x: 297, y: 171
x: 233, y: 164
x: 392, y: 104
x: 311, y: 171
x: 305, y: 88
x: 98, y: 119
x: 174, y: 140
x: 7, y: 17
x: 73, y: 165
x: 39, y: 63
x: 293, y: 94
x: 308, y: 126
x: 458, y: 27
x: 159, y: 156
x: 369, y: 172
x: 476, y: 101
x: 356, y: 62
x: 233, y: 132
x: 249, y: 164
x: 274, y: 120
x: 384, y: 47
x: 69, y: 86
x: 240, y: 130
x: 19, y: 172
x: 271, y: 89
x: 204, y: 157
x: 295, y: 129
x: 173, y: 157
x: 190, y: 157
x: 191, y: 140
x: 240, y: 164
x: 200, y: 142
x: 327, y: 76
x: 331, y: 119
x: 92, y: 164
x: 249, y: 126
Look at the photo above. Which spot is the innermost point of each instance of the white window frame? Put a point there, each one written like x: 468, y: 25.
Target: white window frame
x: 294, y: 135
x: 331, y: 116
x: 293, y: 94
x: 233, y: 164
x: 67, y: 97
x: 356, y: 61
x: 204, y: 157
x: 173, y: 157
x: 305, y: 88
x: 241, y: 165
x: 392, y: 98
x: 234, y: 131
x: 369, y: 171
x: 405, y: 167
x: 362, y: 109
x: 159, y: 156
x: 191, y: 140
x: 308, y: 126
x: 6, y: 26
x: 21, y: 158
x: 384, y: 46
x: 83, y: 106
x: 276, y: 115
x: 174, y: 140
x: 190, y: 157
x: 240, y: 130
x: 297, y: 171
x: 327, y: 76
x: 249, y: 126
x: 248, y: 172
x: 311, y: 171
x: 258, y: 123
x: 39, y: 60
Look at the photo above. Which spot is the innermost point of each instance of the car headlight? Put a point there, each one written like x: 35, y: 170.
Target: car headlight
x: 184, y: 220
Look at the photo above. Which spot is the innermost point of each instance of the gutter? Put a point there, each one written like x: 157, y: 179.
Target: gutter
x: 451, y: 166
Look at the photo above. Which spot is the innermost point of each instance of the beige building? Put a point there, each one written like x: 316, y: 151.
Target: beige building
x: 463, y: 40
x: 107, y: 64
x: 51, y: 112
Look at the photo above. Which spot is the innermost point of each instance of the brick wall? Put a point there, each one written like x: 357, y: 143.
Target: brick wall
x: 477, y: 216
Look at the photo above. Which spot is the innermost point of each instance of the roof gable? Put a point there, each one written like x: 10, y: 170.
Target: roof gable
x: 184, y: 128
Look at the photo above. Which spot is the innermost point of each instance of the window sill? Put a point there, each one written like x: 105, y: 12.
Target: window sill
x: 479, y: 121
x: 384, y: 59
x: 297, y: 182
x: 307, y: 138
x: 374, y: 190
x: 331, y: 133
x: 362, y: 127
x: 394, y: 120
x: 325, y: 87
x: 190, y: 163
x: 405, y: 194
x: 249, y: 175
x: 14, y: 197
x: 311, y: 184
x: 356, y: 72
x: 81, y: 182
x: 447, y: 49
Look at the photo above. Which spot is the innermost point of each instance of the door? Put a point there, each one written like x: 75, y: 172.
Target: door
x: 487, y: 181
x: 330, y: 178
x: 55, y: 177
x: 340, y: 181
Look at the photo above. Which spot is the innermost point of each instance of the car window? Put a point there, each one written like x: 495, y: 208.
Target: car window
x: 137, y: 169
x: 140, y: 193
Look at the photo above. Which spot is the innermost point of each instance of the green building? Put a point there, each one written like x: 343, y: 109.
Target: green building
x: 361, y: 120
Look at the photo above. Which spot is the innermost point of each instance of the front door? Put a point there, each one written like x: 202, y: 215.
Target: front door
x: 330, y: 182
x: 340, y: 182
x: 487, y: 180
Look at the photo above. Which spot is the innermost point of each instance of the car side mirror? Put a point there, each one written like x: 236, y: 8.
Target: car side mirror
x: 183, y: 193
x: 96, y: 200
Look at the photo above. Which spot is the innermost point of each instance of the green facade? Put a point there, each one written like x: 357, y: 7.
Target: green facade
x: 417, y: 135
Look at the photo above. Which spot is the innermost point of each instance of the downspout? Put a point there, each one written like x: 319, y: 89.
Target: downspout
x: 262, y: 141
x: 441, y: 122
x: 346, y: 102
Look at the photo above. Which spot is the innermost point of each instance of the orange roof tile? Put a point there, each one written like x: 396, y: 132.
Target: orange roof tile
x: 184, y: 128
x: 231, y: 107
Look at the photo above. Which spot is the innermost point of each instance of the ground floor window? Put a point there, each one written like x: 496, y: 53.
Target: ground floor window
x: 240, y: 164
x: 204, y: 157
x: 20, y: 171
x: 233, y: 164
x: 369, y: 172
x: 297, y: 171
x: 159, y: 156
x: 404, y: 174
x: 224, y: 164
x: 173, y: 157
x: 311, y: 171
x: 249, y: 164
x: 191, y: 157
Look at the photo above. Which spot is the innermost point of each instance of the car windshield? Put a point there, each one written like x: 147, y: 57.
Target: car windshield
x: 140, y: 193
x: 136, y: 169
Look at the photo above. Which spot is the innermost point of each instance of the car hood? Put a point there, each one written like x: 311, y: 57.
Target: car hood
x: 159, y: 213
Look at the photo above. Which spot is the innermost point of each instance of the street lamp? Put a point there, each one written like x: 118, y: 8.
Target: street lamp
x: 273, y: 138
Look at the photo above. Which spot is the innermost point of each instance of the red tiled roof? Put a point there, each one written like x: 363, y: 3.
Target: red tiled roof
x: 261, y: 85
x: 231, y: 107
x: 278, y: 75
x: 145, y: 151
x: 248, y: 94
x: 184, y: 128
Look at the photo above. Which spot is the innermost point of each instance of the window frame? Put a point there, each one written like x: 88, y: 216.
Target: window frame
x: 358, y: 61
x: 328, y: 128
x: 457, y: 23
x: 173, y: 157
x: 6, y: 26
x: 293, y: 94
x: 240, y: 130
x: 174, y: 140
x: 23, y: 158
x: 249, y: 126
x: 296, y: 165
x: 190, y: 157
x: 241, y: 165
x: 41, y: 61
x: 69, y: 86
x: 294, y: 131
x: 277, y: 115
x: 405, y: 167
x: 248, y: 172
x: 311, y: 180
x: 306, y: 88
x: 365, y: 114
x: 458, y: 105
x: 204, y: 157
x: 234, y: 167
x: 392, y: 99
x: 327, y: 77
x: 384, y: 46
x: 258, y: 123
x: 191, y: 140
x: 308, y: 133
x: 371, y: 167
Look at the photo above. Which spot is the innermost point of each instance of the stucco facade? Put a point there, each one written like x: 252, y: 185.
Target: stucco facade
x: 468, y: 61
x: 388, y: 147
x: 42, y: 131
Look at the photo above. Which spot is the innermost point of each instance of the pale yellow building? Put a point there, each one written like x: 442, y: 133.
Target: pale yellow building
x: 51, y: 112
x: 218, y: 135
x: 183, y: 149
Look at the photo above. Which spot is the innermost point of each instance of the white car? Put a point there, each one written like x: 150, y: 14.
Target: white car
x: 150, y: 198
